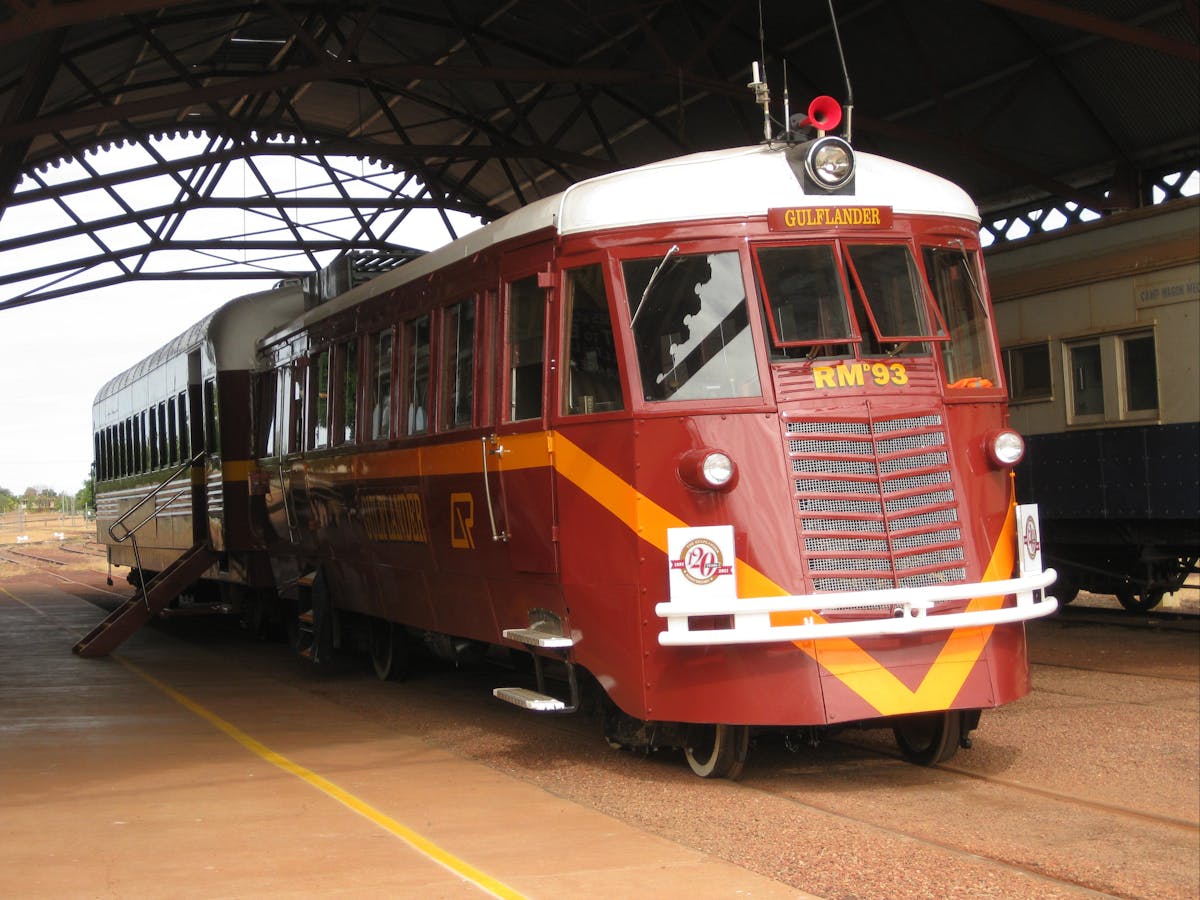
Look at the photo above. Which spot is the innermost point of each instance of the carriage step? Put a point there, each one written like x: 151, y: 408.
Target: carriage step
x: 536, y: 637
x: 527, y: 699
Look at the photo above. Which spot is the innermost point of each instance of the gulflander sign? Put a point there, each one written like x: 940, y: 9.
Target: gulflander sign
x: 802, y: 217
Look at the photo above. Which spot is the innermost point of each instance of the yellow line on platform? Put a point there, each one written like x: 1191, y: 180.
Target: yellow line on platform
x: 421, y: 844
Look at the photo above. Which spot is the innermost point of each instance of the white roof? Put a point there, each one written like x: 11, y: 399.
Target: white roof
x: 720, y: 184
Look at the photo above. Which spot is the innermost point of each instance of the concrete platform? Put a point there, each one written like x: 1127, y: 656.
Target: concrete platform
x: 150, y: 774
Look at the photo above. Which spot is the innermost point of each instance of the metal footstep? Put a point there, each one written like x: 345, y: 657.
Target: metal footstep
x: 539, y: 700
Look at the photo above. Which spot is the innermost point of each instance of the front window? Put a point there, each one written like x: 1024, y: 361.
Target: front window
x: 967, y: 356
x: 887, y: 288
x: 805, y: 300
x: 691, y: 326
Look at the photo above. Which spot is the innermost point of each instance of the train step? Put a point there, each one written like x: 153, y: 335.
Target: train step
x: 527, y: 699
x: 538, y: 637
x: 141, y: 608
x: 542, y: 636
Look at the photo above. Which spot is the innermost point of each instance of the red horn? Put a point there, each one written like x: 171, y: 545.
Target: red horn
x: 824, y: 114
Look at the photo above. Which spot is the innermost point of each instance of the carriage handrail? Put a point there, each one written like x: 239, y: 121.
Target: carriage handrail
x: 171, y: 476
x: 131, y: 533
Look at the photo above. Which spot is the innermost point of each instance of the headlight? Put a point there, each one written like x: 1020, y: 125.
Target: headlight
x: 830, y: 162
x: 708, y: 470
x: 1006, y: 448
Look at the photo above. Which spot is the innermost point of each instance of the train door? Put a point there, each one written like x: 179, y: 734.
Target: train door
x: 517, y: 457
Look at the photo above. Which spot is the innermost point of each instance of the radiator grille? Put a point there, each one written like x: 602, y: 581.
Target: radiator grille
x: 876, y: 503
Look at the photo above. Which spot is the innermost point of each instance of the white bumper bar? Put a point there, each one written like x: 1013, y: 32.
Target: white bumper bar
x: 909, y: 608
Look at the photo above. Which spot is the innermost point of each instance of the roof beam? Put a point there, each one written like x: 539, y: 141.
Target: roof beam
x: 1117, y: 31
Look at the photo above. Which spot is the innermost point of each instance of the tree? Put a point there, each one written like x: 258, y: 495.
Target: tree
x: 85, y: 497
x: 8, y: 500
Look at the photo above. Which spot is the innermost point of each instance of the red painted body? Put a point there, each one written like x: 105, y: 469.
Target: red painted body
x: 401, y: 529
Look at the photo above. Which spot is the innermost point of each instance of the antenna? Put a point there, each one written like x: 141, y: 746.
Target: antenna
x: 762, y: 96
x: 849, y: 105
x: 787, y: 107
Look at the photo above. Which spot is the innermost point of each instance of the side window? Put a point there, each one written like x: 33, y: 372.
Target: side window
x: 526, y: 347
x: 967, y: 356
x: 347, y: 412
x: 458, y: 365
x: 267, y: 414
x: 592, y: 381
x: 1027, y: 370
x: 212, y: 442
x: 184, y: 443
x: 1141, y: 373
x: 155, y: 457
x: 416, y: 381
x: 1087, y: 380
x: 381, y: 385
x: 143, y: 451
x: 164, y: 452
x: 318, y: 433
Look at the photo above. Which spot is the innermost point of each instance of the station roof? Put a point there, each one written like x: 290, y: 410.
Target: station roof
x: 489, y: 106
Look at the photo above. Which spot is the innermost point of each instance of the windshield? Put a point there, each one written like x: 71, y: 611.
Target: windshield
x: 891, y: 288
x: 691, y: 326
x: 806, y: 302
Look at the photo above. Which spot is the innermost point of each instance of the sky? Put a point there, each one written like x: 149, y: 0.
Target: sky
x: 56, y: 354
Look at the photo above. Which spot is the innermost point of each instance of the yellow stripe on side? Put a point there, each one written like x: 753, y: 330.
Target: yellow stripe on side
x: 421, y: 844
x: 238, y: 469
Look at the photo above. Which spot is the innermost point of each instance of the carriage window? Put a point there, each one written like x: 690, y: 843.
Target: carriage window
x: 458, y: 364
x: 416, y: 385
x: 294, y: 418
x: 161, y: 418
x: 691, y: 326
x: 143, y: 451
x: 1087, y: 380
x: 891, y: 296
x: 526, y: 339
x: 348, y: 412
x: 267, y: 415
x: 967, y: 356
x: 1141, y: 373
x: 318, y: 434
x: 1027, y: 370
x: 381, y: 396
x: 593, y: 383
x: 804, y: 298
x: 185, y: 442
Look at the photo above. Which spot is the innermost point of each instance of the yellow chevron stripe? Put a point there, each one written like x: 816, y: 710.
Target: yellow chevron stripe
x: 842, y: 657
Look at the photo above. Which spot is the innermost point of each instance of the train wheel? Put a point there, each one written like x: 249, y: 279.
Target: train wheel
x: 929, y: 739
x: 389, y: 654
x: 1143, y: 602
x: 717, y: 751
x: 1064, y: 590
